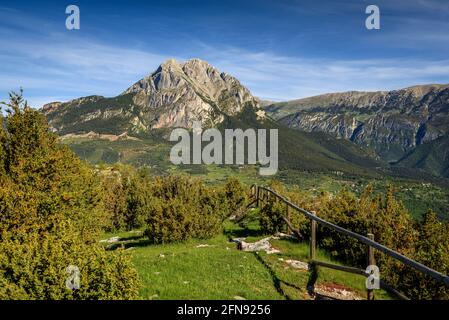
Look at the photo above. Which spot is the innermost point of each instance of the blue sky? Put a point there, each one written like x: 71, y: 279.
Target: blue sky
x: 279, y: 49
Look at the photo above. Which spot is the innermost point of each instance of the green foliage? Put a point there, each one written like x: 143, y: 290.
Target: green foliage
x: 51, y: 213
x: 42, y: 182
x: 270, y: 217
x: 35, y: 268
x: 171, y: 208
x: 182, y: 208
x: 235, y: 196
x: 271, y: 220
x: 431, y: 249
x: 425, y: 241
x: 384, y: 217
x: 115, y: 198
x: 127, y: 196
x: 138, y: 199
x: 392, y: 226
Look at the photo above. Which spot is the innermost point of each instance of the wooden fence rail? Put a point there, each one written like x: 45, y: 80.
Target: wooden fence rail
x: 261, y: 194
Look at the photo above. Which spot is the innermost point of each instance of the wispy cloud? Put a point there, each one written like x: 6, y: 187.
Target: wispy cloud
x: 279, y: 77
x: 60, y: 66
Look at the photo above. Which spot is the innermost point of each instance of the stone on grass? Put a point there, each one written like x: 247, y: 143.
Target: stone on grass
x: 203, y: 245
x: 261, y: 245
x: 298, y: 264
x: 111, y: 240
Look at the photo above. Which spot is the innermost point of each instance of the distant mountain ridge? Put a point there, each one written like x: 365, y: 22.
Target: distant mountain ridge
x: 391, y: 122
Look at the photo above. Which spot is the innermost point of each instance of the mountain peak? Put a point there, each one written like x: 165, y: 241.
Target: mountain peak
x: 171, y: 61
x: 175, y: 95
x: 172, y: 64
x: 169, y: 64
x: 421, y: 90
x: 194, y: 86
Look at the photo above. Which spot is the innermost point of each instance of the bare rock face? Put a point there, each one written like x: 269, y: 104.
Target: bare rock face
x: 174, y: 95
x: 391, y: 122
x: 50, y: 107
x: 184, y: 92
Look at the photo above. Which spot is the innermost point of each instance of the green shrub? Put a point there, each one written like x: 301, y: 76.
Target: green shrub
x: 384, y: 217
x: 235, y: 196
x: 271, y: 217
x: 42, y: 182
x: 425, y: 241
x: 51, y: 213
x: 272, y: 212
x: 173, y: 208
x: 181, y: 208
x: 115, y: 198
x: 35, y: 268
x: 430, y: 249
x: 138, y: 198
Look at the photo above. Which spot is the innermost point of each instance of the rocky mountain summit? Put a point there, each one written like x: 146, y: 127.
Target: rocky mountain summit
x: 391, y: 122
x: 174, y: 95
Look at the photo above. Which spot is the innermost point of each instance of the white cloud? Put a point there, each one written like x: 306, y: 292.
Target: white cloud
x: 278, y: 77
x: 51, y: 66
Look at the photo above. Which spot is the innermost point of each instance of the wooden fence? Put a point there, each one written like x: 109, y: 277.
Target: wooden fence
x: 261, y: 194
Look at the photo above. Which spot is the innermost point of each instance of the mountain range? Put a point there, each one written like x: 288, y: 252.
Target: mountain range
x: 407, y: 127
x: 356, y: 132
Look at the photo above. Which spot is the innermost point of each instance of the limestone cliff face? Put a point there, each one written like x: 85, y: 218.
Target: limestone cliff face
x: 175, y: 95
x: 391, y: 122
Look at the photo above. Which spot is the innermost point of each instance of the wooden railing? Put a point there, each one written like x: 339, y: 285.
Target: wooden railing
x: 261, y: 194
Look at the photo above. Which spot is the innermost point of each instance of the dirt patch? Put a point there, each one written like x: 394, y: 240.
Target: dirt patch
x: 335, y: 291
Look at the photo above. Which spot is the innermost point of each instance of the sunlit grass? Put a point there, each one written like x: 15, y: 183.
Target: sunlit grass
x: 215, y: 269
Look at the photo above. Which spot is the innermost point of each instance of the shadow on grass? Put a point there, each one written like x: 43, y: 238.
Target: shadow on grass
x: 131, y: 242
x: 243, y: 233
x: 276, y: 280
x: 133, y: 238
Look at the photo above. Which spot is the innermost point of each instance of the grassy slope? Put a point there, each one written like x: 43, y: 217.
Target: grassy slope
x: 297, y: 150
x: 432, y: 157
x: 69, y: 115
x: 316, y: 152
x: 220, y: 271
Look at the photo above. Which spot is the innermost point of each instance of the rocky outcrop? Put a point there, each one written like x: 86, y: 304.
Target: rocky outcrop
x: 391, y: 122
x: 174, y: 95
x: 185, y: 92
x: 50, y: 107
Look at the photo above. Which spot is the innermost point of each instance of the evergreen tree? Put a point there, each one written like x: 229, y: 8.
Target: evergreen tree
x: 51, y: 212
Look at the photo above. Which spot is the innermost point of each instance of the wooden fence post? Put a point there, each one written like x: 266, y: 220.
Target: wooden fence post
x: 257, y: 196
x: 287, y: 213
x: 313, y: 238
x: 371, y: 262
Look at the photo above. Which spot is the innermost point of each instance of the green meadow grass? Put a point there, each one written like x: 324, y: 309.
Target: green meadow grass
x: 215, y: 269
